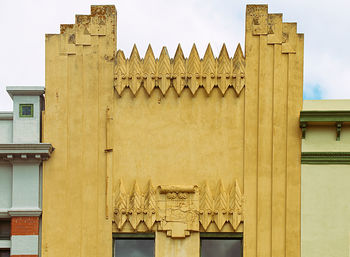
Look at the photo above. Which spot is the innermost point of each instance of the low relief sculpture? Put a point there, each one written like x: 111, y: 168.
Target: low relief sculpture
x: 179, y: 72
x: 179, y: 209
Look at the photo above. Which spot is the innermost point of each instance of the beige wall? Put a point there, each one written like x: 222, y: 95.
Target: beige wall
x: 325, y: 204
x: 322, y: 138
x: 325, y: 222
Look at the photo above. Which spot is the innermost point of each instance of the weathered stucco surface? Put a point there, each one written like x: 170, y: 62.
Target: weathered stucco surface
x: 173, y: 132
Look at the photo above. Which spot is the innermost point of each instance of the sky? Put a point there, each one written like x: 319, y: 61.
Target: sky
x: 24, y: 23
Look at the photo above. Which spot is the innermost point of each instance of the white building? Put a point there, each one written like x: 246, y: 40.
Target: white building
x: 21, y: 156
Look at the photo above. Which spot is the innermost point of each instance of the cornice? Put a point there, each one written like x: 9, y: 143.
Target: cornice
x: 316, y: 117
x: 25, y: 90
x: 25, y: 152
x: 13, y: 212
x: 325, y: 158
x: 325, y: 116
x: 6, y: 115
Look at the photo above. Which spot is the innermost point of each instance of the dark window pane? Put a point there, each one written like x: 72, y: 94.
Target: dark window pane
x: 5, y: 229
x: 4, y: 253
x: 26, y: 110
x: 221, y: 248
x: 134, y: 248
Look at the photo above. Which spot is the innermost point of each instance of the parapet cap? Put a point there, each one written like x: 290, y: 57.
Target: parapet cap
x: 101, y: 22
x: 326, y: 105
x: 25, y: 90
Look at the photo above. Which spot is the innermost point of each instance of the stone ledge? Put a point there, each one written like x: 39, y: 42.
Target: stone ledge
x: 11, y: 152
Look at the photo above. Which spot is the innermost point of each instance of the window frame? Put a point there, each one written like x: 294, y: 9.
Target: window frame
x: 23, y: 115
x: 221, y: 235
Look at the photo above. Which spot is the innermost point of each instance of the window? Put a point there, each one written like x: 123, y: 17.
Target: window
x: 131, y: 245
x: 26, y: 110
x: 221, y: 245
x: 5, y: 234
x: 5, y: 229
x: 4, y: 253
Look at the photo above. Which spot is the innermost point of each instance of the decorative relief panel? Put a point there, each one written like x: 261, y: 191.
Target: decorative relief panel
x: 100, y: 23
x: 277, y: 31
x: 178, y: 209
x: 180, y: 72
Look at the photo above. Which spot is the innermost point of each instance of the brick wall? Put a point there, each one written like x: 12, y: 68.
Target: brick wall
x: 25, y: 226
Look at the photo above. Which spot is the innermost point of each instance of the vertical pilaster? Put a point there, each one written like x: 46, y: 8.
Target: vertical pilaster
x: 79, y: 82
x: 274, y: 56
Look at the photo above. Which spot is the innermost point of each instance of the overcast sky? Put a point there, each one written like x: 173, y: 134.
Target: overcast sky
x: 326, y: 25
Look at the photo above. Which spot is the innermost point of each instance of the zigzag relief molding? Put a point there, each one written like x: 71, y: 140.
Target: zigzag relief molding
x: 101, y: 23
x: 180, y: 72
x: 177, y: 210
x: 277, y: 31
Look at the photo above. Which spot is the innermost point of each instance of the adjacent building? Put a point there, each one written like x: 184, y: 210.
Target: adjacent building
x: 325, y: 178
x: 21, y: 157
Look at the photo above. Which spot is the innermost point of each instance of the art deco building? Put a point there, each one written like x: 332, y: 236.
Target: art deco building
x: 172, y: 156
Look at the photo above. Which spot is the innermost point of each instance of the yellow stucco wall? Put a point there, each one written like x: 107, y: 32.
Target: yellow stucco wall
x: 101, y: 135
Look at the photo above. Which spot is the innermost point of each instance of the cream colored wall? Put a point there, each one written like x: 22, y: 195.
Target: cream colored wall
x: 322, y: 138
x: 325, y: 205
x: 326, y: 105
x: 325, y: 210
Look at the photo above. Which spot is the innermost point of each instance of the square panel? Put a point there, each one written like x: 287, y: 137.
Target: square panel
x: 26, y: 110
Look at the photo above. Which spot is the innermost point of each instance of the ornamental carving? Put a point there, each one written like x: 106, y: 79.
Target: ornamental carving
x: 179, y: 209
x: 180, y: 72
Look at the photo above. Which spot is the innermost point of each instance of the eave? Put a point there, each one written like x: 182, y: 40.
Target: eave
x: 335, y: 118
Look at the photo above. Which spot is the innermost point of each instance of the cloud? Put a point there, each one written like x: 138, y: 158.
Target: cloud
x: 166, y: 23
x: 312, y: 92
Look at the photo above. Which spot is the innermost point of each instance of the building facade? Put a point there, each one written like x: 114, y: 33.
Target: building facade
x: 172, y: 156
x: 325, y: 176
x: 184, y: 156
x: 21, y: 156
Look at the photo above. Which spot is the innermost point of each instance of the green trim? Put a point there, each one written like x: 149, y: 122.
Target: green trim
x: 325, y: 158
x: 325, y: 116
x: 337, y: 117
x: 26, y: 115
x: 133, y: 235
